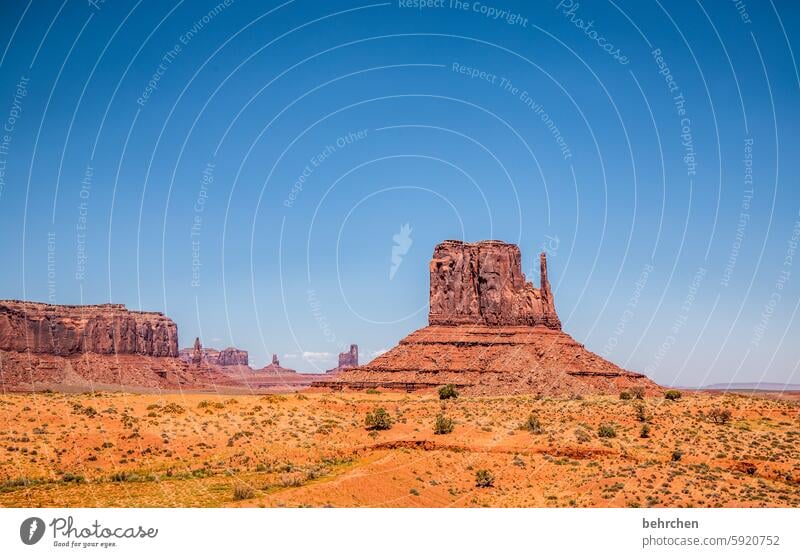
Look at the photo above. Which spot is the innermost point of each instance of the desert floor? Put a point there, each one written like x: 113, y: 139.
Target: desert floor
x: 146, y: 450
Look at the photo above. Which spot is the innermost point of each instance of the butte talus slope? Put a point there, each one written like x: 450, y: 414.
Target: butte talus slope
x: 491, y: 332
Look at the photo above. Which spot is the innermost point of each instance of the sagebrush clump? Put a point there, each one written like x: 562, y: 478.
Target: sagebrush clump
x: 379, y: 419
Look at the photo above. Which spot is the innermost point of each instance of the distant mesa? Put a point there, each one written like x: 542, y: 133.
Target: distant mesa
x: 199, y: 355
x: 490, y: 332
x: 347, y: 360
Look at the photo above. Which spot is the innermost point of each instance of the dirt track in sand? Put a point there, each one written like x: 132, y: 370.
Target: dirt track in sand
x: 116, y: 449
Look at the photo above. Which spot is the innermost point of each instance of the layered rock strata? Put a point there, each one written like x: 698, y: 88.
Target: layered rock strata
x: 490, y: 332
x: 100, y: 329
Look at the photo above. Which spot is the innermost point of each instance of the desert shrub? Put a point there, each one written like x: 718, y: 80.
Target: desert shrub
x: 173, y: 408
x: 74, y: 478
x: 443, y: 425
x: 242, y: 492
x: 637, y: 392
x: 582, y: 435
x: 124, y: 477
x: 676, y: 455
x: 484, y: 478
x: 373, y: 392
x: 672, y: 395
x: 641, y: 413
x: 378, y: 420
x: 447, y: 392
x: 625, y: 395
x: 719, y: 415
x: 644, y: 433
x: 606, y: 430
x: 533, y: 424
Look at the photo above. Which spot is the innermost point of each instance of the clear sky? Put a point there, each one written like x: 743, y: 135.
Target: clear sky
x: 274, y: 176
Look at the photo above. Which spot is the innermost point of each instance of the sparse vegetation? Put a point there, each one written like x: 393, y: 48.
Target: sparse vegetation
x: 484, y: 478
x: 280, y: 445
x: 443, y: 425
x: 242, y: 492
x: 448, y: 392
x: 607, y: 431
x: 719, y: 416
x: 378, y: 420
x: 533, y: 424
x: 672, y: 395
x: 625, y: 395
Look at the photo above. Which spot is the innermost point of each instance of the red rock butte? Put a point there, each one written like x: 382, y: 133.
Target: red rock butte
x: 491, y: 332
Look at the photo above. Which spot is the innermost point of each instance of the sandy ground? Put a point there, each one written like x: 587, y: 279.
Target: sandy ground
x: 149, y: 450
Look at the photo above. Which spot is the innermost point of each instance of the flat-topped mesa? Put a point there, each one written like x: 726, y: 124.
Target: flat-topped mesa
x: 482, y: 283
x: 101, y: 329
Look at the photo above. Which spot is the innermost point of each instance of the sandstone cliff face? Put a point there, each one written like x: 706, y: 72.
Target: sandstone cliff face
x: 483, y: 284
x: 101, y: 329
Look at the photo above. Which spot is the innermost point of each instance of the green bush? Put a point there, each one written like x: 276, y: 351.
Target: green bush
x: 484, y: 478
x: 448, y: 391
x: 672, y: 395
x: 641, y: 413
x: 378, y: 420
x: 533, y: 424
x: 625, y: 395
x: 606, y: 430
x: 443, y: 425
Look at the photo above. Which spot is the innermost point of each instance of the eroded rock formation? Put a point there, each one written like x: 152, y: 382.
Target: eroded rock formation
x: 483, y: 284
x: 490, y: 332
x: 347, y: 360
x: 100, y: 329
x: 198, y: 355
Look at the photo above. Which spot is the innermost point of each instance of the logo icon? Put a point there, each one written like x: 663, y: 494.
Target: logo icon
x: 402, y: 243
x: 31, y: 530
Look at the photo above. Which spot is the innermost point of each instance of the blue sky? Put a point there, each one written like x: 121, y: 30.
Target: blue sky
x: 245, y: 167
